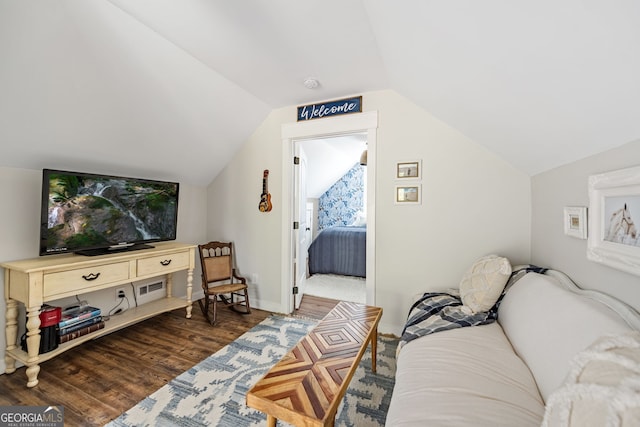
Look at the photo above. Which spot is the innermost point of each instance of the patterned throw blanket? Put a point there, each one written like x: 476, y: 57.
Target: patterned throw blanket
x: 440, y: 311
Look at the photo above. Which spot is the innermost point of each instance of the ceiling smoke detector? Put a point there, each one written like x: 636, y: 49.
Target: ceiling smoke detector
x: 311, y: 83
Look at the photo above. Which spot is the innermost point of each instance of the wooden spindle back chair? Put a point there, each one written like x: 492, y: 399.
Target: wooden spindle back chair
x: 220, y: 281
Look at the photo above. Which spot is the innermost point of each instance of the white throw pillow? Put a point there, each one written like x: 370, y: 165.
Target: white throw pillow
x: 602, y: 388
x: 359, y: 220
x: 483, y: 283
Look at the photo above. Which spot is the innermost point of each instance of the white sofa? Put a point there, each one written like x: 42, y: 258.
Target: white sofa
x: 501, y: 374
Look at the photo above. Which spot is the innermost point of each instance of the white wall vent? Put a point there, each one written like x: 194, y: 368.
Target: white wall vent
x: 150, y: 290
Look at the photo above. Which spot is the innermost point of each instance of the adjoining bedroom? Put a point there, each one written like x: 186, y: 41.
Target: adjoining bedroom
x: 336, y: 224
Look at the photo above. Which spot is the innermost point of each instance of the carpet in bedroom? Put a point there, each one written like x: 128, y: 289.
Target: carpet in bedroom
x: 343, y: 288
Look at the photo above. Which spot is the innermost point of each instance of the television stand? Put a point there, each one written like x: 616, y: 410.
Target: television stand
x: 112, y: 250
x: 36, y: 281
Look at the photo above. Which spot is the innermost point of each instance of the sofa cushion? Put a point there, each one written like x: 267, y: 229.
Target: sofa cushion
x: 603, y: 386
x: 463, y: 377
x: 548, y: 323
x: 483, y: 283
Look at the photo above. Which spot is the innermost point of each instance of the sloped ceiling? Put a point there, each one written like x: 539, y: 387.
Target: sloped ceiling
x: 172, y: 89
x: 328, y: 159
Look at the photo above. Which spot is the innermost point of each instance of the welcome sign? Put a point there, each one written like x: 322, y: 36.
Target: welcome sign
x: 330, y: 108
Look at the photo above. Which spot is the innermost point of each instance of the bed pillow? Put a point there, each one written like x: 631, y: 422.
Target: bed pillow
x: 359, y: 220
x: 483, y: 283
x: 602, y: 388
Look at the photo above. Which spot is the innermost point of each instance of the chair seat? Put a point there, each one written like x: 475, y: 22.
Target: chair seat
x: 225, y: 289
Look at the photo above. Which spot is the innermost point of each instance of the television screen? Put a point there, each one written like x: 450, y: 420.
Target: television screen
x: 91, y: 214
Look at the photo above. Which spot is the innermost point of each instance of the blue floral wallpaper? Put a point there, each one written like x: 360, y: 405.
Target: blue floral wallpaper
x: 339, y: 205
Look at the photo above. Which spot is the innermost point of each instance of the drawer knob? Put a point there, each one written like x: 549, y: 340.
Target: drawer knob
x: 165, y: 262
x: 90, y: 277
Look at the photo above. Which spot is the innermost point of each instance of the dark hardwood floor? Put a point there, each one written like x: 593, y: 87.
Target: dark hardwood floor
x: 98, y: 380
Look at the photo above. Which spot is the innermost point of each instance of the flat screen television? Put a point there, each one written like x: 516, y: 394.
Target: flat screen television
x: 92, y: 214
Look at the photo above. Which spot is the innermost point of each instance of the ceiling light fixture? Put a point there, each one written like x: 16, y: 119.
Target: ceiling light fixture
x: 311, y: 83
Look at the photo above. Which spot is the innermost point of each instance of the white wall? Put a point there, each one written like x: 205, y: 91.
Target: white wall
x: 473, y: 204
x: 233, y: 215
x: 568, y: 186
x: 20, y: 233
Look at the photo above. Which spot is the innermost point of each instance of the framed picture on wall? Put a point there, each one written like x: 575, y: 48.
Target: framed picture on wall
x: 408, y: 170
x: 575, y: 221
x: 408, y: 194
x: 614, y: 217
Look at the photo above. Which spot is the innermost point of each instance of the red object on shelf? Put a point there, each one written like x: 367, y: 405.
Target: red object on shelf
x: 50, y: 316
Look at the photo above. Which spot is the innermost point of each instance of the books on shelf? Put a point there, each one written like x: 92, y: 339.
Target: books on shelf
x: 81, y: 331
x: 79, y: 321
x: 75, y: 326
x: 77, y: 315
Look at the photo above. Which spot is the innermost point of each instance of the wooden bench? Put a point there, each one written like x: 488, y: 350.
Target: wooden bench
x: 307, y: 385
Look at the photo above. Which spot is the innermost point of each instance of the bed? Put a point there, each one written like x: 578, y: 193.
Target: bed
x: 339, y: 250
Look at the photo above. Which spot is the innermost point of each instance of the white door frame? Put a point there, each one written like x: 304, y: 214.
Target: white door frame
x: 300, y: 235
x: 314, y: 129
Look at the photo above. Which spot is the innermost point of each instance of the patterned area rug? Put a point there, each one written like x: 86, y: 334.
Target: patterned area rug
x: 212, y: 393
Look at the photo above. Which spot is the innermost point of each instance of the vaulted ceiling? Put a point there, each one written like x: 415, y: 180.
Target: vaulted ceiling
x: 178, y: 86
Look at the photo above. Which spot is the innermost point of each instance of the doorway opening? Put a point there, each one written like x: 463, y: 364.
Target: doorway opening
x: 334, y: 174
x: 294, y: 254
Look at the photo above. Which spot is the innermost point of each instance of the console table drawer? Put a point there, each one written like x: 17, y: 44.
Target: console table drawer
x: 163, y: 264
x: 65, y: 281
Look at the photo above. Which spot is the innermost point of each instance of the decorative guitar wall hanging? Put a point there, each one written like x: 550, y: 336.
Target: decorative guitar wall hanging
x: 265, y: 197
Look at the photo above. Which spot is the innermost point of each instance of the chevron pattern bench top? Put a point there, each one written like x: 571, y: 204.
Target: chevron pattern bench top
x: 307, y: 385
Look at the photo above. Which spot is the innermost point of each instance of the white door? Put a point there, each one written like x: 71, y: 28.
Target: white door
x: 300, y: 216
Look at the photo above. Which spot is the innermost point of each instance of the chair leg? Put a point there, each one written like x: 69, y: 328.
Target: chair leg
x: 246, y: 300
x: 215, y: 309
x: 205, y: 307
x: 246, y: 309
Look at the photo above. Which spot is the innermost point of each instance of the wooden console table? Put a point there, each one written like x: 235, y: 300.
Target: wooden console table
x: 36, y: 281
x: 306, y: 386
